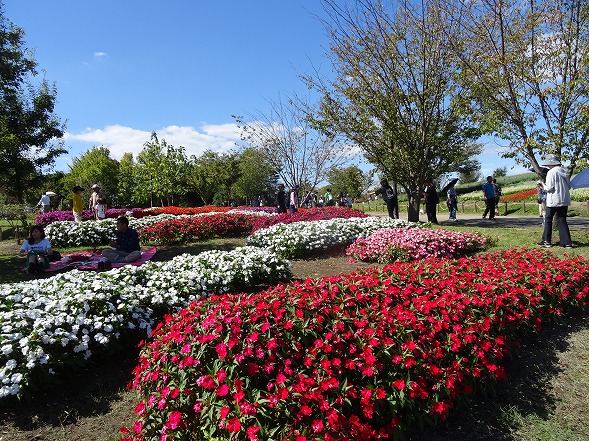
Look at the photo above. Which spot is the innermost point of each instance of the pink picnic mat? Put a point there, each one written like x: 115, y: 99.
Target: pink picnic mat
x: 88, y: 260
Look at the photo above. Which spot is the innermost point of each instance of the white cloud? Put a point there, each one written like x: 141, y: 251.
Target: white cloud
x: 120, y: 139
x: 100, y: 55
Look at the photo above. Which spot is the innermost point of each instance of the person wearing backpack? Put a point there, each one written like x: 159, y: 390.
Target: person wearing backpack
x: 389, y: 196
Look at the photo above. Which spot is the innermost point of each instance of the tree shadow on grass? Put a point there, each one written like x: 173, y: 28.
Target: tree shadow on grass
x: 89, y: 392
x: 526, y: 390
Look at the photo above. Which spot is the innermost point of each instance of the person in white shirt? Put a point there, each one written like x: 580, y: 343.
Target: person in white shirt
x: 558, y: 199
x: 100, y: 209
x: 45, y: 202
x: 37, y: 250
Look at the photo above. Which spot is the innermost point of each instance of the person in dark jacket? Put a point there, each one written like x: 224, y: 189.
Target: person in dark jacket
x: 280, y: 203
x: 126, y: 247
x: 389, y: 196
x: 431, y: 200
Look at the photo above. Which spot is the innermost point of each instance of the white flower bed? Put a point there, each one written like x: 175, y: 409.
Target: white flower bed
x: 300, y: 238
x: 67, y: 234
x: 51, y: 323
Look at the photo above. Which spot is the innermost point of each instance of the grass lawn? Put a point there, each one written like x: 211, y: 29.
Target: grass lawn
x: 545, y: 397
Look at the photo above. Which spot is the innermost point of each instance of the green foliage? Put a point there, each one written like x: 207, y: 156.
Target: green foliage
x: 28, y: 128
x: 523, y: 76
x: 395, y: 94
x: 95, y: 166
x: 500, y: 172
x: 256, y: 175
x: 350, y: 180
x: 213, y: 173
x: 161, y: 173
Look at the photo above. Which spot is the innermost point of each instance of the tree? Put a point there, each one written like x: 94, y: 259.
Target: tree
x: 470, y: 173
x: 161, y: 172
x: 256, y: 176
x: 525, y: 69
x: 214, y: 174
x: 28, y: 128
x: 350, y: 180
x: 95, y: 166
x: 126, y: 190
x: 301, y: 154
x: 394, y: 94
x: 500, y: 172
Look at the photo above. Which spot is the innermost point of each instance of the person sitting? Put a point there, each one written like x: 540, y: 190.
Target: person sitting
x: 126, y: 246
x: 37, y: 250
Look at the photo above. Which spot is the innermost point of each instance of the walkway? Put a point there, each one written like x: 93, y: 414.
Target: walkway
x: 509, y: 221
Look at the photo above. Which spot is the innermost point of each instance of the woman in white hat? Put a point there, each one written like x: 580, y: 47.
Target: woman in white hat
x: 558, y: 199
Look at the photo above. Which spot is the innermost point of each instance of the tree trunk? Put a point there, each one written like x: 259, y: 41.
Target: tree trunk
x: 413, y: 209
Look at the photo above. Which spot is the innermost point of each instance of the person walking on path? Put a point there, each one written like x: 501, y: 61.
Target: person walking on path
x: 389, y: 197
x: 489, y: 195
x: 77, y: 207
x: 558, y: 199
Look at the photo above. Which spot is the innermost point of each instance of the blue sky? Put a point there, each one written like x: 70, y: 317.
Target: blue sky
x: 180, y: 68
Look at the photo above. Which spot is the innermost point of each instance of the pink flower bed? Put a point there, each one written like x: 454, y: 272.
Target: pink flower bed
x: 363, y: 356
x: 404, y: 244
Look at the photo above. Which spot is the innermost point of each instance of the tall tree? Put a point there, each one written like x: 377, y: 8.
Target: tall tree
x: 29, y: 131
x: 161, y: 172
x: 394, y: 92
x: 256, y: 176
x: 350, y: 180
x: 301, y: 154
x: 127, y: 188
x: 525, y: 66
x: 95, y: 166
x: 214, y: 174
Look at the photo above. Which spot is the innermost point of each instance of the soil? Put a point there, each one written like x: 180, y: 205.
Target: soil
x: 543, y: 377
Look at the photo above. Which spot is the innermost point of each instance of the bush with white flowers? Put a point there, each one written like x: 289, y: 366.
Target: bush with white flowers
x: 65, y: 234
x: 300, y: 238
x: 51, y: 324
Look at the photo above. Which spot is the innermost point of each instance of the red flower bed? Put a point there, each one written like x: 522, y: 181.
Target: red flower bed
x: 309, y: 214
x: 177, y: 211
x: 362, y: 356
x: 192, y: 229
x: 520, y: 195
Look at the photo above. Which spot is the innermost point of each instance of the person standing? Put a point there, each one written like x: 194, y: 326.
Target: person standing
x: 541, y: 199
x: 558, y: 199
x: 497, y: 196
x: 389, y: 196
x: 328, y: 198
x: 431, y: 200
x: 100, y: 209
x: 45, y: 202
x: 96, y: 194
x: 77, y: 207
x: 281, y: 199
x: 489, y: 195
x: 294, y: 200
x: 452, y: 202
